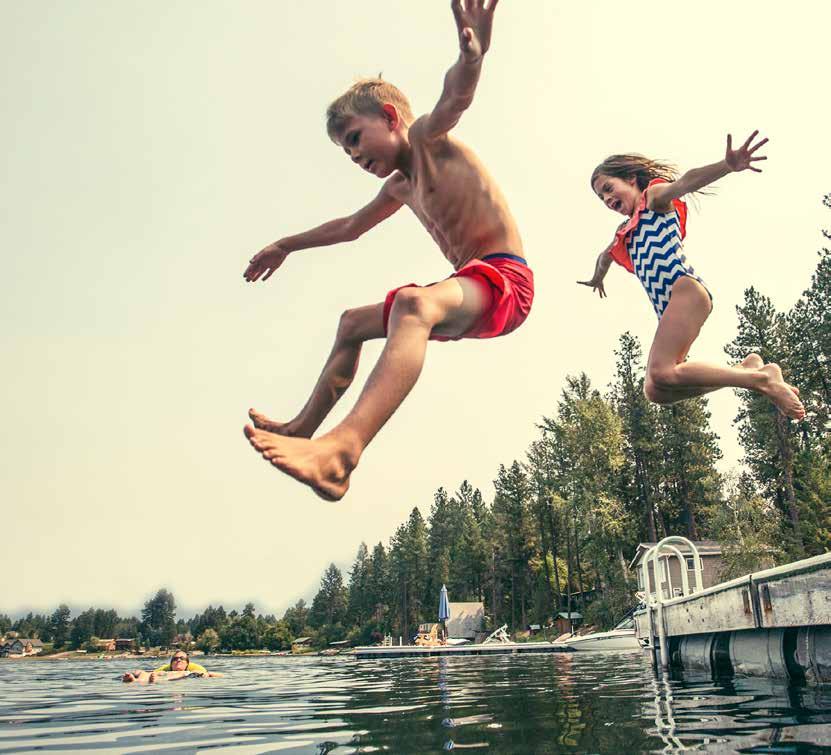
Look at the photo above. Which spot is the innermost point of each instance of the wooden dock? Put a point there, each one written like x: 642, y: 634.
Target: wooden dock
x: 496, y: 648
x: 775, y: 622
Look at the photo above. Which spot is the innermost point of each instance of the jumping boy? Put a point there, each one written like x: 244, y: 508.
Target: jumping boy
x: 443, y: 182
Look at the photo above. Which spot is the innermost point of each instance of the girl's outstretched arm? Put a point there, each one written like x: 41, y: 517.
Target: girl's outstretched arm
x: 601, y: 267
x: 659, y: 197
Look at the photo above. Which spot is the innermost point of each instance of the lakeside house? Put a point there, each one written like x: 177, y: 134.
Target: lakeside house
x: 669, y: 572
x: 301, y: 644
x: 566, y: 622
x: 21, y: 646
x: 467, y: 621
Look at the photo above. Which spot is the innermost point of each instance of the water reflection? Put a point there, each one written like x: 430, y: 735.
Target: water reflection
x: 505, y: 704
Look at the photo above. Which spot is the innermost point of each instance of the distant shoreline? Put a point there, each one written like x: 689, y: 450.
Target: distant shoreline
x: 72, y: 655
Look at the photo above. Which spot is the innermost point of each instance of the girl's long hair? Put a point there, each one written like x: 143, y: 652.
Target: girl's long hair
x: 636, y: 166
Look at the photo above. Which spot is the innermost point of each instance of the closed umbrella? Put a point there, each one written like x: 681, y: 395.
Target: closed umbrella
x: 444, y: 608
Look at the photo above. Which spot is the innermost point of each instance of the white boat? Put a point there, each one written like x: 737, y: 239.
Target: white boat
x: 622, y: 637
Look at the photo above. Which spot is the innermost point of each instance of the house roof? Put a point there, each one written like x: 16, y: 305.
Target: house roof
x: 300, y: 640
x: 572, y: 615
x: 705, y: 548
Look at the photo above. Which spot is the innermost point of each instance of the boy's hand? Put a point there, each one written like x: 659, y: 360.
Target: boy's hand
x: 265, y: 262
x: 474, y: 22
x: 740, y: 159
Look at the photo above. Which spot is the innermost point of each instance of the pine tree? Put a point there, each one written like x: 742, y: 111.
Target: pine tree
x: 329, y: 605
x: 409, y: 571
x: 379, y: 596
x: 769, y: 439
x: 513, y: 523
x: 359, y: 609
x: 471, y: 552
x: 60, y: 625
x: 689, y: 480
x: 440, y: 543
x: 297, y: 618
x: 158, y: 619
x: 642, y: 460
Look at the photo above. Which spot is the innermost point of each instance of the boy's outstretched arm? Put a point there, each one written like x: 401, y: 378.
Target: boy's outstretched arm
x: 474, y: 22
x: 660, y: 196
x: 265, y: 262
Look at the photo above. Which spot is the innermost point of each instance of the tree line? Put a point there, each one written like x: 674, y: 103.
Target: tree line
x: 609, y: 470
x: 606, y: 471
x: 212, y: 630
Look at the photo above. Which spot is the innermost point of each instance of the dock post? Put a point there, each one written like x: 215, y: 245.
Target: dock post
x: 650, y: 615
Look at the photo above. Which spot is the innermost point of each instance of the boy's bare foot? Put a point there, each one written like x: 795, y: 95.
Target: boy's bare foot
x: 780, y: 393
x: 323, y: 464
x: 262, y: 422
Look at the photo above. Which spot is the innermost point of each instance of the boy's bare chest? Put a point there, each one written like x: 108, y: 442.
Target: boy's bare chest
x: 433, y: 189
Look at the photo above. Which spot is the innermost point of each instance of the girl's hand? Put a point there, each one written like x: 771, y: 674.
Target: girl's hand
x: 601, y: 267
x: 741, y: 158
x: 596, y: 285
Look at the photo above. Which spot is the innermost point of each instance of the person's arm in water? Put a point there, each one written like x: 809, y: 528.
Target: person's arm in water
x: 659, y: 197
x: 474, y: 23
x: 348, y: 228
x: 153, y: 677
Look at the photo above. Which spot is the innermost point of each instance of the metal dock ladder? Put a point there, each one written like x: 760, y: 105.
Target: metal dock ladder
x: 666, y: 549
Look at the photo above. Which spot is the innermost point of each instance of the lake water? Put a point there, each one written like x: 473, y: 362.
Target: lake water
x: 582, y: 702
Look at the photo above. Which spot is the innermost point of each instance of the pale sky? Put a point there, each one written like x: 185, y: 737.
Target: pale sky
x: 154, y: 147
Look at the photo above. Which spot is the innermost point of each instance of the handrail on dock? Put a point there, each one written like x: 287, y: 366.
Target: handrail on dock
x: 655, y: 601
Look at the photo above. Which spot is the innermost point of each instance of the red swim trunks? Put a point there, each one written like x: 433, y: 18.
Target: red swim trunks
x: 511, y: 284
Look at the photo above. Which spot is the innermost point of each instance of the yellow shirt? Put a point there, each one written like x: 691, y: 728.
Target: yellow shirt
x: 195, y: 667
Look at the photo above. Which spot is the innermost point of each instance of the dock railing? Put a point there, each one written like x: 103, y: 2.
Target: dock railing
x: 655, y: 600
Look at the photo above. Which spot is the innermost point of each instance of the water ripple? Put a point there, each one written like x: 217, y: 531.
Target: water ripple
x: 505, y: 704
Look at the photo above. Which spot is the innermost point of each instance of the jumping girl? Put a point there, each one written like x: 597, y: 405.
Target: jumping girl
x: 649, y: 244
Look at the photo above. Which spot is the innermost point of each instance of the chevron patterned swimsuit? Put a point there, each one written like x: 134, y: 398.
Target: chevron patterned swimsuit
x: 649, y: 244
x: 656, y: 251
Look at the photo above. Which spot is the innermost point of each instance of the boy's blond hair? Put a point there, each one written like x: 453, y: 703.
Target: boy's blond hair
x: 365, y: 97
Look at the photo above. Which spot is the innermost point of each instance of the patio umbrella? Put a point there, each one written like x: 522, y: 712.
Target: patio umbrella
x: 444, y: 607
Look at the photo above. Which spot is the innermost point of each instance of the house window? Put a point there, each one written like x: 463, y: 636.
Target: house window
x: 690, y: 563
x: 640, y: 579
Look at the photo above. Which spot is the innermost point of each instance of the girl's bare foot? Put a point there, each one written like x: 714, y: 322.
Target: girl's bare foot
x: 323, y: 464
x: 780, y: 393
x: 280, y: 428
x: 755, y: 362
x: 752, y: 362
